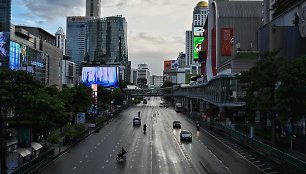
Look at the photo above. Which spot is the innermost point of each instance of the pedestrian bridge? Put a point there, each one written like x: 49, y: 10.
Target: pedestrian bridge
x: 223, y: 90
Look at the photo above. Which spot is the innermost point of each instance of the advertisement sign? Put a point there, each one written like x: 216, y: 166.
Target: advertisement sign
x: 198, y: 31
x: 104, y: 76
x: 174, y: 64
x: 24, y: 137
x: 81, y: 118
x: 197, y: 44
x: 4, y: 46
x: 167, y: 64
x: 226, y: 41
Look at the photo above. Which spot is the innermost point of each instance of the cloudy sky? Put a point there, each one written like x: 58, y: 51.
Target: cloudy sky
x: 156, y: 28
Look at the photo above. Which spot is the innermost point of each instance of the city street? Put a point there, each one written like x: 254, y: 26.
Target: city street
x: 158, y: 151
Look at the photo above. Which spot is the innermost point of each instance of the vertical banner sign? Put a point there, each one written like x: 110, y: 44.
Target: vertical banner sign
x: 226, y: 41
x: 197, y: 45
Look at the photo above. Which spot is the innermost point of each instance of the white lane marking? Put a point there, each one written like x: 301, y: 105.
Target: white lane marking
x: 131, y: 167
x: 81, y: 161
x: 91, y: 151
x: 74, y: 168
x: 95, y: 147
x: 106, y: 161
x: 102, y: 167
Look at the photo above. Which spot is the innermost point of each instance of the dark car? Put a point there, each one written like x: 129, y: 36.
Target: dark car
x: 186, y: 135
x: 177, y: 124
x: 136, y: 121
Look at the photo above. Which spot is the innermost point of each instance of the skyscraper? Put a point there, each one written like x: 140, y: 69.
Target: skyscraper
x: 93, y: 8
x: 60, y: 39
x: 106, y: 40
x: 188, y: 48
x: 76, y: 34
x: 5, y: 22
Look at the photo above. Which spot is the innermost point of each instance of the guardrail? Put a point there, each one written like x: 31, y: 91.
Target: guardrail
x: 301, y: 165
x: 29, y: 166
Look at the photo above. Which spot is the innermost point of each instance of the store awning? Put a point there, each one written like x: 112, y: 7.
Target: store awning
x: 23, y: 152
x: 36, y: 145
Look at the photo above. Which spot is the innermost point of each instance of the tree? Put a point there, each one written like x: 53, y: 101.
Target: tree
x: 291, y: 93
x: 16, y: 88
x: 77, y: 99
x: 167, y: 84
x: 261, y: 80
x: 104, y: 97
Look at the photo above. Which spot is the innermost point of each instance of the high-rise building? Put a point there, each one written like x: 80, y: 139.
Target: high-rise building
x: 200, y: 14
x: 5, y: 15
x: 76, y: 34
x: 60, y: 39
x: 106, y: 40
x: 5, y: 22
x: 93, y: 8
x: 143, y: 75
x: 188, y: 48
x: 156, y: 81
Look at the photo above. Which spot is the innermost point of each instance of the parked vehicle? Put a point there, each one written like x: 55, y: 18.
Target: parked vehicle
x: 178, y: 107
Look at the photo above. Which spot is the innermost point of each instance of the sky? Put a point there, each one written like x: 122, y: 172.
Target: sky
x: 156, y: 28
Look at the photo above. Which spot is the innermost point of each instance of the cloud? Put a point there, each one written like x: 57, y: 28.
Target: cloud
x: 54, y: 9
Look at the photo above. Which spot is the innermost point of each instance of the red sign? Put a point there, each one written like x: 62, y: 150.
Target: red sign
x: 167, y: 64
x: 226, y: 41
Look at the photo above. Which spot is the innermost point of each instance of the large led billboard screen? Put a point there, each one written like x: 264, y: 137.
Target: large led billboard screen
x: 4, y: 46
x: 104, y: 76
x: 197, y: 42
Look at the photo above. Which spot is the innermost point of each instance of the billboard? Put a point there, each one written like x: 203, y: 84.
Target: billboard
x: 174, y: 64
x: 104, y: 76
x: 4, y: 46
x: 197, y: 45
x: 24, y: 137
x: 167, y: 64
x: 226, y: 41
x: 198, y: 31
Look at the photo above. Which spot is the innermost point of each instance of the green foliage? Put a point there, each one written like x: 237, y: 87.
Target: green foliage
x: 291, y: 93
x: 167, y: 84
x: 77, y: 99
x: 54, y: 138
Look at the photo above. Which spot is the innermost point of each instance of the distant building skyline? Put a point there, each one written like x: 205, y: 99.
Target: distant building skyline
x: 93, y: 8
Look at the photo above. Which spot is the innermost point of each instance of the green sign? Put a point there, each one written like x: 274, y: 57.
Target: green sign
x: 197, y: 42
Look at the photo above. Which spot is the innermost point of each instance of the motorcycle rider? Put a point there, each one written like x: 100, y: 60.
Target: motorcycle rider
x: 198, y: 125
x: 122, y: 153
x: 144, y: 127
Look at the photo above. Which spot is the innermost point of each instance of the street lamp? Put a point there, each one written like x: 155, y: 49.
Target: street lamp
x: 292, y: 137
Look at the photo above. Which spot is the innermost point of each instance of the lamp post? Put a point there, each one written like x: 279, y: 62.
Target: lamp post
x: 292, y: 137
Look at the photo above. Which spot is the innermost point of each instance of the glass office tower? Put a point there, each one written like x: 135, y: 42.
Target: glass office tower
x: 106, y: 40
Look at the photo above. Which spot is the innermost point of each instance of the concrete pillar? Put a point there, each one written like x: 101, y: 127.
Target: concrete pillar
x: 221, y: 113
x: 201, y: 106
x: 190, y: 103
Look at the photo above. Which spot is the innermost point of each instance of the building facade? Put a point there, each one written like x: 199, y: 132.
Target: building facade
x: 232, y: 36
x: 61, y: 39
x: 75, y: 41
x: 156, y: 81
x: 143, y: 75
x: 93, y: 8
x: 5, y: 22
x: 25, y: 54
x: 286, y: 29
x: 45, y: 42
x: 68, y: 73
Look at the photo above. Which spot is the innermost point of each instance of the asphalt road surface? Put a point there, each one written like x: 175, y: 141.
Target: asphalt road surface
x: 159, y: 151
